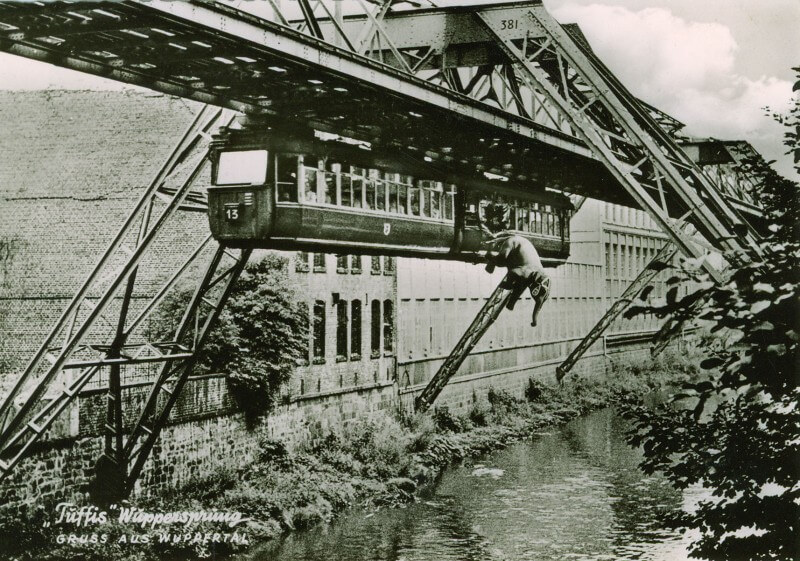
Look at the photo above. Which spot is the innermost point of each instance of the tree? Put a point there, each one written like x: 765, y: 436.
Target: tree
x: 259, y: 338
x: 737, y: 432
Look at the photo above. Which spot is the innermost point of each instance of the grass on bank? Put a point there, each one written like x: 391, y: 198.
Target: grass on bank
x: 373, y: 462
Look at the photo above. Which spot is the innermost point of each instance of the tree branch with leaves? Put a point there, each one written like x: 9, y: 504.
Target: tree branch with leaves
x: 737, y: 431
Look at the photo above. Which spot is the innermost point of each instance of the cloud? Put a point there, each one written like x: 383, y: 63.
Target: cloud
x: 686, y: 68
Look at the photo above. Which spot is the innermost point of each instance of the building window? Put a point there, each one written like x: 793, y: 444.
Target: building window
x: 612, y: 270
x: 355, y: 330
x: 388, y: 326
x: 301, y: 262
x: 341, y: 330
x: 375, y: 267
x: 388, y: 265
x: 318, y: 333
x: 319, y: 262
x: 355, y: 264
x: 341, y: 263
x: 375, y: 328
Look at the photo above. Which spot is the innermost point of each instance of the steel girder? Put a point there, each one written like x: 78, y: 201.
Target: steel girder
x: 93, y: 332
x: 644, y: 161
x: 393, y: 74
x: 530, y: 71
x: 218, y: 55
x: 202, y: 312
x: 631, y: 143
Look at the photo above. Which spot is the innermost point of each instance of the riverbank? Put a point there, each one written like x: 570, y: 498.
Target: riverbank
x: 376, y: 463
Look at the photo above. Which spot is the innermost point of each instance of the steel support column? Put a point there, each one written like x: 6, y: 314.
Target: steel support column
x: 198, y: 320
x: 114, y: 427
x: 43, y: 391
x: 482, y: 322
x: 664, y: 255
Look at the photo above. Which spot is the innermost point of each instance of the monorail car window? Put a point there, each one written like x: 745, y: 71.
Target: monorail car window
x: 380, y: 189
x: 548, y: 224
x: 309, y: 170
x: 404, y: 183
x: 345, y: 186
x: 286, y: 167
x: 425, y: 199
x: 449, y: 201
x: 413, y: 201
x: 522, y: 217
x: 244, y: 167
x: 393, y: 189
x: 429, y: 201
x: 357, y: 181
x: 370, y: 190
x: 436, y: 201
x: 327, y: 185
x: 402, y: 198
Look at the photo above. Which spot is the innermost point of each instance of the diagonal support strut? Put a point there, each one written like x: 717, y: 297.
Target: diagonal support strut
x: 487, y: 315
x: 664, y: 255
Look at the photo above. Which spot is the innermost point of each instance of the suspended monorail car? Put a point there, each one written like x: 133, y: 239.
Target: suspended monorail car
x: 286, y: 199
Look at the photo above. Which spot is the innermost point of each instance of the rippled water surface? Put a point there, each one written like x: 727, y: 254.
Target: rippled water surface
x: 572, y: 494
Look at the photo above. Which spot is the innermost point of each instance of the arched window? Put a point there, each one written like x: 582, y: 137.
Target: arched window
x: 318, y: 332
x: 388, y: 326
x: 355, y: 329
x: 375, y: 328
x: 341, y: 330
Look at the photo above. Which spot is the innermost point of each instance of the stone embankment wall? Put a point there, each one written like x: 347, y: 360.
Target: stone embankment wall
x: 207, y: 432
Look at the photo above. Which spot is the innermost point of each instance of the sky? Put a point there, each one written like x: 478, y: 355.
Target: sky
x: 712, y: 64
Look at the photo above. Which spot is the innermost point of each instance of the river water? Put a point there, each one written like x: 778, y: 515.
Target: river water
x: 574, y: 493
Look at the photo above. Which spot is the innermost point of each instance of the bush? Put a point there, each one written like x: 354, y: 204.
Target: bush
x: 536, y: 390
x: 480, y: 413
x: 447, y: 421
x: 505, y: 407
x: 423, y: 429
x: 260, y: 336
x: 272, y: 452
